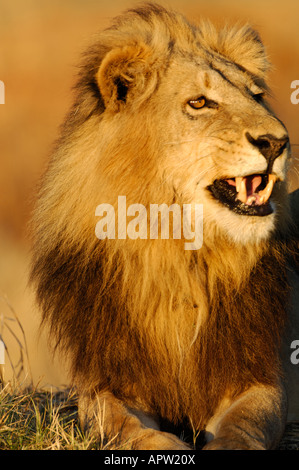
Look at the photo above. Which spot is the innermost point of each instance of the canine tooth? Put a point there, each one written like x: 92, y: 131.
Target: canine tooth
x: 242, y: 193
x: 267, y: 191
x: 238, y: 180
x: 262, y: 199
x: 272, y: 178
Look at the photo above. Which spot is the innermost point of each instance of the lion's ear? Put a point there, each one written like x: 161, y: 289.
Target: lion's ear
x: 125, y: 74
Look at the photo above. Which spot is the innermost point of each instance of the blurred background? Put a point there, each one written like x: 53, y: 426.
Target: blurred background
x: 40, y: 43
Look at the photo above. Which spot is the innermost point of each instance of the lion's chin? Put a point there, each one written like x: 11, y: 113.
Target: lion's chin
x: 239, y: 229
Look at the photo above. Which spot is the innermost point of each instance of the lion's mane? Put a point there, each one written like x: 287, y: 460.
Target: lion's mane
x: 153, y: 323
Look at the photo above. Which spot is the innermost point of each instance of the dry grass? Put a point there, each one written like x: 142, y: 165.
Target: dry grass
x: 43, y: 420
x: 12, y: 325
x: 37, y: 420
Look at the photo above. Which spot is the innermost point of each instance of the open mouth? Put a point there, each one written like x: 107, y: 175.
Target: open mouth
x: 246, y: 195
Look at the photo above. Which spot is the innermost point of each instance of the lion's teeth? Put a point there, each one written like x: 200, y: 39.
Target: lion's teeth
x: 267, y: 191
x: 238, y: 180
x: 262, y: 199
x: 251, y: 200
x: 241, y: 189
x: 262, y: 196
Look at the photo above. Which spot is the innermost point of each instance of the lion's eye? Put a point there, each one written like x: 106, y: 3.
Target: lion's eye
x: 198, y: 103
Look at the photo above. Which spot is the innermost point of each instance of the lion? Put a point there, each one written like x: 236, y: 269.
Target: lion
x: 161, y: 338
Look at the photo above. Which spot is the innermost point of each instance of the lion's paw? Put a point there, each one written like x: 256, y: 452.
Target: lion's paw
x: 229, y: 444
x: 158, y: 440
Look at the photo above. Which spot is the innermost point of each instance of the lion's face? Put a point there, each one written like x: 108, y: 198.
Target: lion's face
x: 224, y: 148
x: 215, y: 139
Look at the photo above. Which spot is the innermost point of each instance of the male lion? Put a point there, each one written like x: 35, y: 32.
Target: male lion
x: 167, y: 112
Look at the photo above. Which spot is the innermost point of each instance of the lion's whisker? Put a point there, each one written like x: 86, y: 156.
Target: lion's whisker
x: 204, y: 172
x: 295, y: 170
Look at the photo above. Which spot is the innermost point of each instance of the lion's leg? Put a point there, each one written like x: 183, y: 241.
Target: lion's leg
x: 103, y: 414
x: 255, y: 420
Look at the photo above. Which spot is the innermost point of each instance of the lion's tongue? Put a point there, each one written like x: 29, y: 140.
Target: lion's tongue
x: 252, y: 183
x: 246, y: 188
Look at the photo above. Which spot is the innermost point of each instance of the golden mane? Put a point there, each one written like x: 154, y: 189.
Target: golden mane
x: 122, y: 309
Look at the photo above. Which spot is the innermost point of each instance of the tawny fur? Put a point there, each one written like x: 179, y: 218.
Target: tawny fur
x: 165, y: 330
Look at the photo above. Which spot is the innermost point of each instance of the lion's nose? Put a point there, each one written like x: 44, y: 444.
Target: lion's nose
x: 269, y: 146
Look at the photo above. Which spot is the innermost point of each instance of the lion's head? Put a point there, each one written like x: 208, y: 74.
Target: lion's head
x: 165, y: 112
x: 183, y: 110
x: 198, y: 99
